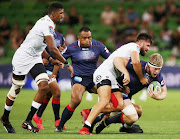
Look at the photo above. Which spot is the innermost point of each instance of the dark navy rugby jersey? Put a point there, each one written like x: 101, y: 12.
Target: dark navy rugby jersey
x: 135, y: 84
x: 83, y: 59
x: 59, y: 40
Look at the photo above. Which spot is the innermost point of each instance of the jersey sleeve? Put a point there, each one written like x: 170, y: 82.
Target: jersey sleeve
x: 47, y: 28
x: 66, y: 54
x: 104, y: 51
x: 161, y: 80
x: 134, y: 47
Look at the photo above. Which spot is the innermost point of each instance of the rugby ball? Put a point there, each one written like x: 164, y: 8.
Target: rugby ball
x: 156, y: 86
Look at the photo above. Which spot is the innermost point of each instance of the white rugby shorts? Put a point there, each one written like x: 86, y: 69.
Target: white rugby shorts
x: 22, y: 63
x: 98, y: 76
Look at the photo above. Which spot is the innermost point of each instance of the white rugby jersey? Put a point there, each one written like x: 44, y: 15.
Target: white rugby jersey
x: 29, y: 53
x: 123, y: 51
x: 34, y: 44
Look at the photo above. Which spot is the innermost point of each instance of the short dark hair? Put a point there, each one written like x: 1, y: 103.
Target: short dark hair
x: 144, y: 36
x: 86, y: 29
x: 54, y: 7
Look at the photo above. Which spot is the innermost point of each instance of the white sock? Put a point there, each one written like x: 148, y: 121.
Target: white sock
x: 8, y: 108
x: 87, y: 123
x: 36, y: 104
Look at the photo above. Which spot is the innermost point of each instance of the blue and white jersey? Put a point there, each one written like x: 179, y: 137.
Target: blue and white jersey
x: 59, y: 41
x: 135, y: 84
x: 84, y: 59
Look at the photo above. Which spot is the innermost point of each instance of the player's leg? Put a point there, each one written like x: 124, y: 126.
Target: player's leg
x: 104, y: 92
x: 37, y: 117
x: 77, y: 92
x: 38, y: 72
x: 17, y: 83
x: 56, y: 92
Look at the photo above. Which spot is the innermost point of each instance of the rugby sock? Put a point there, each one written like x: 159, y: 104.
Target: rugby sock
x: 56, y: 108
x: 115, y: 119
x: 5, y: 116
x: 35, y: 106
x: 43, y: 107
x: 99, y: 118
x: 66, y: 115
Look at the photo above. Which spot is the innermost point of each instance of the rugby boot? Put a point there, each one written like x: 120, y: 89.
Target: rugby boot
x: 84, y: 131
x: 58, y: 129
x: 133, y: 129
x: 38, y: 121
x: 29, y: 126
x: 8, y: 127
x: 85, y: 113
x: 101, y: 125
x: 56, y: 123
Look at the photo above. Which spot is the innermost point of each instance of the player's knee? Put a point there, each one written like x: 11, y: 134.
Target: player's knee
x: 133, y: 118
x: 131, y: 113
x: 41, y: 77
x: 43, y: 87
x: 15, y: 89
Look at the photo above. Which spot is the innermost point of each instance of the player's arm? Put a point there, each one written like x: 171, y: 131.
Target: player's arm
x: 120, y: 63
x: 137, y: 67
x: 54, y: 50
x: 159, y: 95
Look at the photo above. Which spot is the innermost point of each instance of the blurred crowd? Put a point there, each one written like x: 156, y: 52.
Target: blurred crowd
x: 126, y: 25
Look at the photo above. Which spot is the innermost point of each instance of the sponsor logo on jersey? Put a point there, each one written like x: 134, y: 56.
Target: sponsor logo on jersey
x: 162, y: 82
x: 98, y: 78
x: 51, y: 30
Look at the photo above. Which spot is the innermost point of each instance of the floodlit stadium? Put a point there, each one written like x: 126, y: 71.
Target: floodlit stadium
x: 113, y: 23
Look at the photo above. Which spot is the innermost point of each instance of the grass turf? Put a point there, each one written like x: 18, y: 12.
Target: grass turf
x: 160, y: 119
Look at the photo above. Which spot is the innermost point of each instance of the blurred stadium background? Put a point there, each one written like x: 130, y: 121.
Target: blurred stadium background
x: 160, y: 18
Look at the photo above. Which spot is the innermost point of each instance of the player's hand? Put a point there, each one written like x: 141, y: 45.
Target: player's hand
x: 45, y: 61
x: 152, y: 94
x: 56, y: 62
x: 70, y: 68
x: 52, y: 76
x: 126, y: 79
x: 126, y: 90
x: 144, y: 81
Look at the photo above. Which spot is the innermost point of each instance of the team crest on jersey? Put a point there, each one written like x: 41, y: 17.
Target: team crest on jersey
x: 51, y: 30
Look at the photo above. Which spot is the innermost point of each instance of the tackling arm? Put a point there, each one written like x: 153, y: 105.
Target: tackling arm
x: 120, y: 63
x: 137, y: 67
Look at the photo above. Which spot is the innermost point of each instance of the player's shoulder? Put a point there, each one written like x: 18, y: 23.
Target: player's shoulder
x: 73, y: 45
x: 97, y: 43
x: 143, y: 63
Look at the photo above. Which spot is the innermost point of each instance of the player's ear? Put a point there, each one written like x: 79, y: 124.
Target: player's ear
x: 78, y: 37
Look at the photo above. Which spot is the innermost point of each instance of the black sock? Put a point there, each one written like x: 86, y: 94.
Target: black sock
x: 42, y: 107
x: 99, y: 118
x: 5, y: 116
x: 56, y: 108
x: 66, y: 115
x: 31, y: 113
x: 114, y: 119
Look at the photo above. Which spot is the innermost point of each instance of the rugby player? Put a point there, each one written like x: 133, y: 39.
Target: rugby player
x: 151, y: 70
x: 53, y: 73
x: 84, y: 55
x: 27, y: 59
x: 106, y: 74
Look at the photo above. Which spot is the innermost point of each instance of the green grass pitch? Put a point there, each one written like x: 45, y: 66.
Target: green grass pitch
x: 160, y: 119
